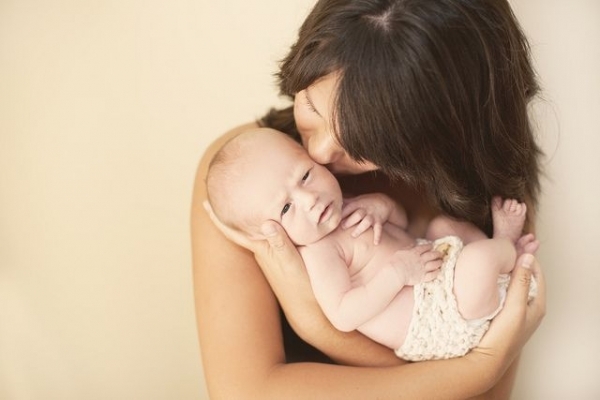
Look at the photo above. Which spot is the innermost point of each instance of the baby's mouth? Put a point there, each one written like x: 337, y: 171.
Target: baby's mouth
x: 325, y: 214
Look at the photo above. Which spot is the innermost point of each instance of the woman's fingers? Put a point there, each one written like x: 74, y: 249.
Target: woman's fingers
x: 520, y: 317
x: 275, y: 253
x: 275, y: 236
x: 279, y: 251
x: 518, y: 291
x: 537, y: 305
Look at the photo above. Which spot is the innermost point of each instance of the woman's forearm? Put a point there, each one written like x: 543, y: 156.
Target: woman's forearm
x: 447, y: 379
x: 503, y: 388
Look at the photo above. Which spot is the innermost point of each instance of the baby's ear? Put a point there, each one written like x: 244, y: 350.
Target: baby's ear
x: 256, y: 236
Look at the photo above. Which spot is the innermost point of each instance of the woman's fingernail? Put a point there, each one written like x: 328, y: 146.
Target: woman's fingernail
x: 527, y: 260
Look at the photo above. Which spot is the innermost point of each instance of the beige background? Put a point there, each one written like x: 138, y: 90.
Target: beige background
x: 105, y: 109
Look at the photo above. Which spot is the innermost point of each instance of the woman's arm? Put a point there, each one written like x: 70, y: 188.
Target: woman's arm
x: 517, y: 316
x: 493, y: 362
x: 240, y: 333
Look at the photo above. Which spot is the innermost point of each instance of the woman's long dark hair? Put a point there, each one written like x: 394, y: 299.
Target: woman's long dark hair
x: 434, y: 92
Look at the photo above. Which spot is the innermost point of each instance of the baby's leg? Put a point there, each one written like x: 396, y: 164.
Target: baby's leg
x: 480, y: 263
x: 476, y: 275
x: 443, y: 225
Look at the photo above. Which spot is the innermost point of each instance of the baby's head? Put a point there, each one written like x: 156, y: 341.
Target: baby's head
x: 262, y: 175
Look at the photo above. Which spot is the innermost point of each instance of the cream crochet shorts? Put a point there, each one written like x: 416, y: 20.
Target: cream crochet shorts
x: 437, y: 330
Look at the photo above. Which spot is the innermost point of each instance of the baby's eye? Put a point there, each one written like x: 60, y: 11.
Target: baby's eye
x: 285, y: 209
x: 306, y: 175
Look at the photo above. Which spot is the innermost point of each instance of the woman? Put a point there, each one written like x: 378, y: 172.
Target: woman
x: 426, y: 101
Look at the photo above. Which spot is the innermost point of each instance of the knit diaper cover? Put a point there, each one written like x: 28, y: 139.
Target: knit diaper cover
x: 437, y: 330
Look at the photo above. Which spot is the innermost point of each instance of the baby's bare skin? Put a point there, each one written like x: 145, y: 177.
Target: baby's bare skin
x: 364, y: 259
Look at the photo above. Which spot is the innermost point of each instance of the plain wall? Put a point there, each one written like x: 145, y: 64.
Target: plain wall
x: 105, y: 110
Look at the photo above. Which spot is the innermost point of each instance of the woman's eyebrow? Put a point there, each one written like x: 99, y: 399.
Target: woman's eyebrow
x: 311, y: 102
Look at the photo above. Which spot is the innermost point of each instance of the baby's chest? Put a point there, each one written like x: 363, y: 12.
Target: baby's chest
x: 364, y: 258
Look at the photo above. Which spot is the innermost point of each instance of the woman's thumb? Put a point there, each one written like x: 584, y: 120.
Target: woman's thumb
x: 281, y: 251
x: 275, y: 235
x: 522, y: 276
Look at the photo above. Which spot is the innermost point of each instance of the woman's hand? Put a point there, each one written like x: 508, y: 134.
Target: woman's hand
x: 283, y: 267
x: 276, y: 248
x: 519, y: 318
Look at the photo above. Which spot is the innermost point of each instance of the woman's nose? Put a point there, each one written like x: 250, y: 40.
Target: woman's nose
x: 324, y: 149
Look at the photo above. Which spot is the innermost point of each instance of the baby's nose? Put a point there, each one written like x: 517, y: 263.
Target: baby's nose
x: 308, y: 199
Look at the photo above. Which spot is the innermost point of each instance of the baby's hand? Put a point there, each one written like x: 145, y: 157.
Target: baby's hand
x: 366, y: 211
x: 417, y: 264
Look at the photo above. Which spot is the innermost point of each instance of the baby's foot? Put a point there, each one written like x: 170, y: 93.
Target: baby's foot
x: 527, y: 244
x: 508, y: 217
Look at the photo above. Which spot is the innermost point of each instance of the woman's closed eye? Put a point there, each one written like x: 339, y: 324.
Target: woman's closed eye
x: 310, y: 106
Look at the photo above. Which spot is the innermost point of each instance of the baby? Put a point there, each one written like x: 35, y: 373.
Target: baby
x: 429, y: 298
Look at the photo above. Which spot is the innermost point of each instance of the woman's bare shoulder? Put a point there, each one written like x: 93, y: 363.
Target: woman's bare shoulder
x: 230, y: 292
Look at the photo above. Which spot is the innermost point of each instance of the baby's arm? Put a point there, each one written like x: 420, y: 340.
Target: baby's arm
x: 372, y: 210
x: 348, y: 305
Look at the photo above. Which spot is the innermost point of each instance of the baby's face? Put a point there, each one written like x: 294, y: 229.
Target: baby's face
x: 285, y: 185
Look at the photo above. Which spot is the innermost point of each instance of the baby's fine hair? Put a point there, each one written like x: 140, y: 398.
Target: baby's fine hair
x: 223, y: 171
x: 434, y: 92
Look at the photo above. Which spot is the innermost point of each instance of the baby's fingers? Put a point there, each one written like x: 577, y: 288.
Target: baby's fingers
x: 377, y: 228
x: 433, y: 265
x: 431, y: 256
x: 365, y: 224
x: 355, y: 217
x: 429, y: 276
x: 422, y: 248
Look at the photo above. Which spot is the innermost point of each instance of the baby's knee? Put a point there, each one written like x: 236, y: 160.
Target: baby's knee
x: 439, y: 227
x: 442, y: 225
x: 494, y: 256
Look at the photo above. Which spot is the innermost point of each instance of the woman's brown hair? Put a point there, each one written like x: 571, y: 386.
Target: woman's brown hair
x: 434, y: 92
